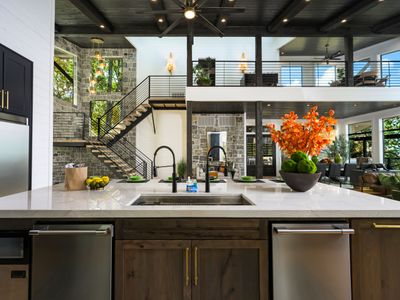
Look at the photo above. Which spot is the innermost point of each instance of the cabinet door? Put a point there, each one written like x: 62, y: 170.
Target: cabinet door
x: 17, y: 79
x: 152, y: 270
x: 375, y: 259
x: 229, y: 269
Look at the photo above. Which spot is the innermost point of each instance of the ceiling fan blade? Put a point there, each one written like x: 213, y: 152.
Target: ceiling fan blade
x: 200, y: 3
x: 171, y: 27
x: 210, y: 25
x: 160, y: 12
x: 336, y: 54
x: 223, y: 10
x: 179, y: 3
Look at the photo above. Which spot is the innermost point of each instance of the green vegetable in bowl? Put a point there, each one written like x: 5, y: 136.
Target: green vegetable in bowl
x: 289, y: 166
x: 306, y: 166
x: 298, y: 156
x: 248, y: 178
x: 136, y: 177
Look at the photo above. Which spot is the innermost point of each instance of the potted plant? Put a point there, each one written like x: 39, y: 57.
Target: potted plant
x: 300, y: 141
x: 202, y: 72
x: 181, y: 169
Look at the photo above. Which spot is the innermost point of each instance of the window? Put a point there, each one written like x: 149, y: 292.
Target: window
x: 391, y: 142
x: 111, y: 79
x: 292, y: 76
x: 64, y: 82
x: 390, y: 68
x: 360, y: 139
x: 98, y: 108
x: 324, y: 75
x: 361, y: 66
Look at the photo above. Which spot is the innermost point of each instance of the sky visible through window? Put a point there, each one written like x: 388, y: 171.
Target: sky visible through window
x: 291, y: 75
x: 391, y: 68
x: 324, y: 75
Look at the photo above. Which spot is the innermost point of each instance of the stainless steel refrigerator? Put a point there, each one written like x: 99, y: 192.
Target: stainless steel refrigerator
x: 14, y: 154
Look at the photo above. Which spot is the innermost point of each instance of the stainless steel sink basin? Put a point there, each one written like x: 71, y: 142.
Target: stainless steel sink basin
x: 192, y: 199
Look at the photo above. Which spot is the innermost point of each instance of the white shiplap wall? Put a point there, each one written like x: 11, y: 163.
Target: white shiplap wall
x: 27, y: 27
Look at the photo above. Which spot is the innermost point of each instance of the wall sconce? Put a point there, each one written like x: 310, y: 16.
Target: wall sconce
x: 243, y: 66
x: 170, y: 64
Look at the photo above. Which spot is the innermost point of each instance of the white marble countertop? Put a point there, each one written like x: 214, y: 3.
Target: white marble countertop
x: 271, y: 200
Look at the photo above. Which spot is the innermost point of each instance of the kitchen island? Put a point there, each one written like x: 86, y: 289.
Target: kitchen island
x: 270, y: 199
x: 210, y: 252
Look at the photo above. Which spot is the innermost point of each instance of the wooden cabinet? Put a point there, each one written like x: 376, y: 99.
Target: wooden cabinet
x: 152, y: 270
x: 197, y: 269
x: 375, y: 259
x: 233, y: 270
x: 199, y: 259
x: 15, y: 83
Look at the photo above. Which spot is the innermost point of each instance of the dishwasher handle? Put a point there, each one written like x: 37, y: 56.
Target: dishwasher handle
x: 36, y: 232
x: 341, y: 231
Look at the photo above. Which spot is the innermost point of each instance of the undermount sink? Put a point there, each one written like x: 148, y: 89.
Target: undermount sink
x: 198, y: 199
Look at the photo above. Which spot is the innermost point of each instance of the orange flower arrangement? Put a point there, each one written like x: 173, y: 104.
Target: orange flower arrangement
x: 309, y: 137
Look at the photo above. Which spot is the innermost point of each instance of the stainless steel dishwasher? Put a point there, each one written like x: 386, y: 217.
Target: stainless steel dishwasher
x: 311, y: 261
x: 72, y: 262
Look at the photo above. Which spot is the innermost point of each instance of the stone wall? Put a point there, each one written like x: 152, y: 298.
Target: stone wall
x: 216, y: 123
x: 64, y: 155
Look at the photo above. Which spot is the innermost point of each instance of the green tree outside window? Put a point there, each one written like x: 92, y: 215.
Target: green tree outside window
x: 391, y: 142
x: 98, y: 108
x: 111, y: 80
x: 62, y: 88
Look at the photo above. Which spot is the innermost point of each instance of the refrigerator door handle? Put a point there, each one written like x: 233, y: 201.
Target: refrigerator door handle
x: 2, y: 98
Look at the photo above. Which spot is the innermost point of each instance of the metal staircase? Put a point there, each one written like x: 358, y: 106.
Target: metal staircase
x: 112, y: 146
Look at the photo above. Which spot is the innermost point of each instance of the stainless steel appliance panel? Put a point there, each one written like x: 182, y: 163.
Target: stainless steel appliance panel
x: 311, y: 261
x: 14, y: 158
x: 72, y: 262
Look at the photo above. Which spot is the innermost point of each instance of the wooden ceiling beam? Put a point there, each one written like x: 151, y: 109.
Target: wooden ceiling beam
x: 287, y: 31
x: 349, y: 13
x: 161, y: 20
x: 387, y: 24
x: 93, y: 13
x: 223, y: 19
x: 286, y: 14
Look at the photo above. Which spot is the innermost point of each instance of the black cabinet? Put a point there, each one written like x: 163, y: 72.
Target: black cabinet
x: 15, y: 83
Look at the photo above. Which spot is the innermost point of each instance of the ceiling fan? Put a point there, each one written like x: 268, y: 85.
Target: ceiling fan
x: 334, y: 56
x: 193, y: 10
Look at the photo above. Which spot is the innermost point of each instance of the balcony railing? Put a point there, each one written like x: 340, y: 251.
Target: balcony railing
x: 296, y: 73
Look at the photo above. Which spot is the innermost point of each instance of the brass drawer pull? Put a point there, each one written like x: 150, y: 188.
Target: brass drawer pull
x: 386, y: 226
x: 187, y: 277
x: 196, y: 275
x: 7, y: 99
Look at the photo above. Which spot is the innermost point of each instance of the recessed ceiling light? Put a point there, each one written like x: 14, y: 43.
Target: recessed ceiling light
x: 308, y: 105
x: 160, y: 20
x: 223, y: 20
x: 231, y: 0
x: 282, y: 52
x: 102, y: 26
x: 343, y: 21
x: 355, y: 104
x: 381, y: 0
x: 308, y: 0
x: 285, y: 20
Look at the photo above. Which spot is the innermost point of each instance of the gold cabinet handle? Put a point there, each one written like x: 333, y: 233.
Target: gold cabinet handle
x: 187, y: 277
x: 2, y: 98
x: 196, y: 274
x: 7, y: 99
x: 386, y: 226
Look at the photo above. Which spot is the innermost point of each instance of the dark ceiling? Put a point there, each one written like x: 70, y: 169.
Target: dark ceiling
x: 78, y: 20
x: 315, y: 46
x: 275, y: 110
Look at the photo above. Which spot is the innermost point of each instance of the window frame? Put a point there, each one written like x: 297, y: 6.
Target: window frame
x: 108, y: 59
x: 74, y: 102
x: 290, y: 67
